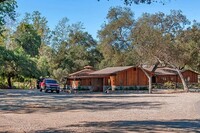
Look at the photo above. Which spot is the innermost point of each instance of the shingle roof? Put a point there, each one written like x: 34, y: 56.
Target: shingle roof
x: 110, y: 70
x: 163, y: 70
x: 83, y: 72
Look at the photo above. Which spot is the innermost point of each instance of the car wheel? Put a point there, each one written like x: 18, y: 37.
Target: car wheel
x: 51, y: 91
x: 46, y: 91
x: 40, y: 90
x: 57, y: 91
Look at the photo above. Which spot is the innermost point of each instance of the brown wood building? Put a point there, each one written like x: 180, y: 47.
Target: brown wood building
x: 165, y: 74
x: 126, y: 76
x: 109, y: 77
x: 80, y: 78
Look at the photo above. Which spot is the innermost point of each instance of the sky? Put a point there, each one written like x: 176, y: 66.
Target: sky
x: 93, y: 13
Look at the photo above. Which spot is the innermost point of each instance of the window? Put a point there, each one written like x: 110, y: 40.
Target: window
x: 164, y: 78
x: 188, y: 78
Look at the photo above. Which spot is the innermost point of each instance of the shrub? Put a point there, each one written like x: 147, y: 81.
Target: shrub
x: 83, y: 88
x: 142, y: 88
x: 169, y: 85
x: 132, y: 88
x: 119, y: 88
x: 79, y: 88
x: 3, y: 86
x: 194, y: 85
x: 157, y: 86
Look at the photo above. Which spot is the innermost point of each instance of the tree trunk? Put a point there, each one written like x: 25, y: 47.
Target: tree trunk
x: 150, y: 84
x: 150, y: 80
x: 185, y: 87
x: 9, y: 82
x: 155, y: 67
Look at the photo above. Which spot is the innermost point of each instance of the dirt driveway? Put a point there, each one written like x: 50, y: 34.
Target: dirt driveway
x: 35, y: 112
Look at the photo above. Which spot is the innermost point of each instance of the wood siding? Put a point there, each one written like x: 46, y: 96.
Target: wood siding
x: 85, y: 82
x: 166, y: 78
x: 189, y: 76
x: 142, y: 78
x: 129, y: 77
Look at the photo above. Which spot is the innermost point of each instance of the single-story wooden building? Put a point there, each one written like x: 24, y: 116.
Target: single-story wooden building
x: 125, y: 76
x: 165, y: 74
x: 80, y: 78
x: 109, y: 77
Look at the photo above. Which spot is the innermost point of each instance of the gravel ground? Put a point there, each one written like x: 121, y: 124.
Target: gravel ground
x: 35, y: 112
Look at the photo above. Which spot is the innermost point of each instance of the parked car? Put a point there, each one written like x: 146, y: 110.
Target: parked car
x: 50, y: 85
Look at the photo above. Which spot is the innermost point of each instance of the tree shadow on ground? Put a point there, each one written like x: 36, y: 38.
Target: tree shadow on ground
x: 53, y: 130
x: 93, y: 106
x: 48, y: 130
x: 142, y: 126
x: 32, y: 101
x: 110, y: 96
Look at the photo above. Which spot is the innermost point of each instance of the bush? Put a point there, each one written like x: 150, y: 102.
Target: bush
x: 198, y: 85
x: 119, y: 88
x: 3, y: 86
x: 79, y: 88
x: 142, y: 88
x: 157, y: 86
x: 83, y: 88
x: 169, y: 85
x: 194, y: 85
x: 132, y: 88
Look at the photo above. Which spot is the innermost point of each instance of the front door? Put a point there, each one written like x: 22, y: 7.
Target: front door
x: 97, y: 84
x: 154, y: 79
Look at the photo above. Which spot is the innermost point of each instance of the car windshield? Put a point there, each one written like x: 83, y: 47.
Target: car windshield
x: 51, y: 81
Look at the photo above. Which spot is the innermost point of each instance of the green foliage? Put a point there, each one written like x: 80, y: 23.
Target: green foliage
x: 120, y: 88
x: 83, y: 88
x: 59, y: 73
x: 7, y: 9
x: 3, y: 86
x: 73, y: 48
x: 39, y: 24
x: 154, y: 34
x: 25, y: 83
x: 142, y: 88
x: 137, y: 88
x: 169, y: 85
x: 132, y: 88
x: 36, y: 42
x: 15, y: 64
x: 191, y: 44
x: 26, y: 66
x: 77, y: 56
x: 130, y: 2
x: 194, y: 86
x: 60, y: 33
x: 157, y: 86
x: 27, y: 38
x: 115, y: 37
